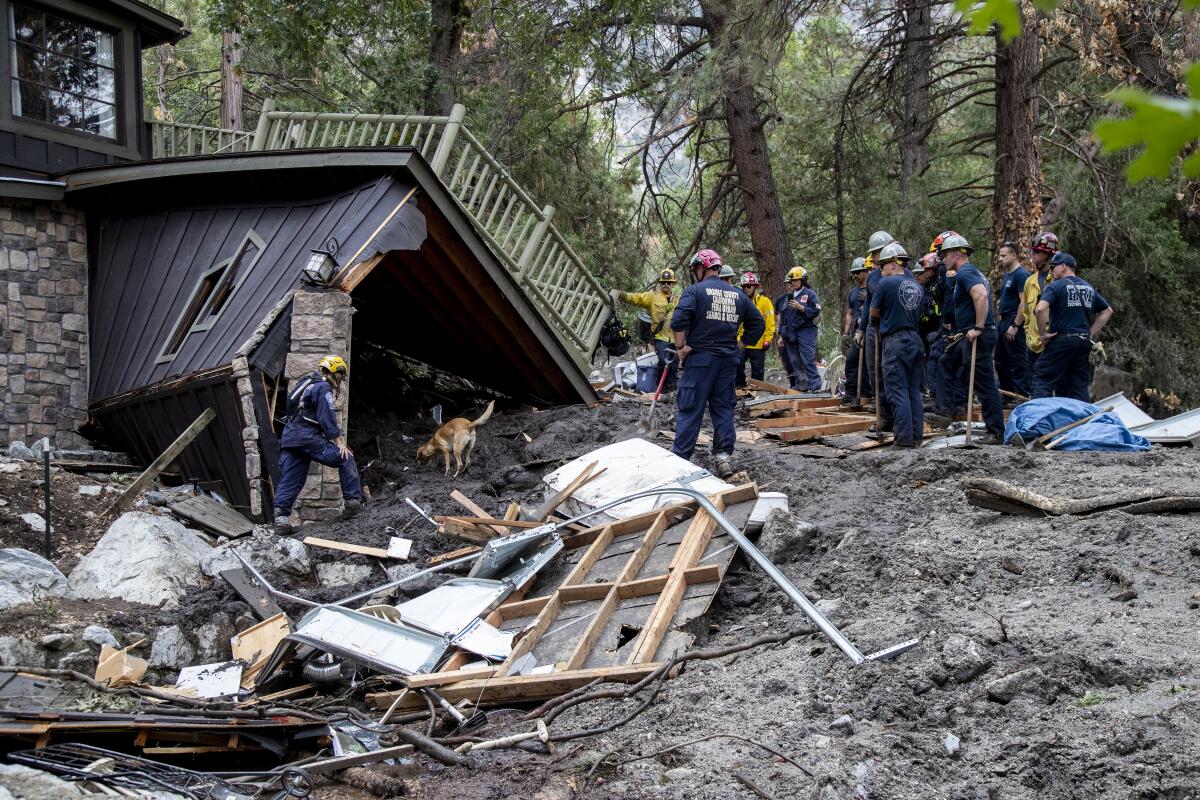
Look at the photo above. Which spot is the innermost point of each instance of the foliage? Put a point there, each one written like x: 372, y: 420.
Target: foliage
x: 1164, y: 125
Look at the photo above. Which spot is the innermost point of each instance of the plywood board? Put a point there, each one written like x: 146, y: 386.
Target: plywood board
x: 212, y: 515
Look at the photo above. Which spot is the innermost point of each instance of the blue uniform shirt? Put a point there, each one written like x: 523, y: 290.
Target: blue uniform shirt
x: 854, y: 302
x: 710, y: 312
x: 1073, y: 302
x: 873, y: 278
x: 900, y: 300
x: 964, y: 307
x: 792, y: 321
x: 1010, y: 291
x: 316, y: 403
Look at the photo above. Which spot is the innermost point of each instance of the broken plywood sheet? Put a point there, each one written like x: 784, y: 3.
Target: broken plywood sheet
x: 216, y: 517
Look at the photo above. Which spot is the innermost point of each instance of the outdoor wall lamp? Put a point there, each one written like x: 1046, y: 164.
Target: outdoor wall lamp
x: 321, y: 264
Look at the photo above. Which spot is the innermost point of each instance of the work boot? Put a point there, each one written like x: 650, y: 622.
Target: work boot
x: 723, y: 464
x: 990, y: 439
x: 283, y: 525
x: 352, y: 508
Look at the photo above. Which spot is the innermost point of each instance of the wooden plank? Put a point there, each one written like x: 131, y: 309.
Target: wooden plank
x: 448, y: 676
x: 801, y: 420
x: 501, y: 525
x: 257, y: 643
x: 168, y: 456
x: 375, y: 552
x: 356, y: 759
x: 589, y: 472
x: 589, y: 558
x: 492, y: 691
x: 453, y: 554
x: 471, y: 506
x: 583, y: 648
x: 513, y: 511
x: 546, y: 616
x: 809, y: 433
x: 254, y: 593
x: 774, y: 388
x: 738, y: 494
x: 800, y: 404
x: 523, y: 608
x: 471, y: 533
x: 584, y: 591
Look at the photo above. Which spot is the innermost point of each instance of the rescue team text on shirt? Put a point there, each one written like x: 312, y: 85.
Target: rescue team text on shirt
x: 724, y: 306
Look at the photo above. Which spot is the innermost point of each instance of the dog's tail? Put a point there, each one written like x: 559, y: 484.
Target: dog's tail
x: 487, y: 414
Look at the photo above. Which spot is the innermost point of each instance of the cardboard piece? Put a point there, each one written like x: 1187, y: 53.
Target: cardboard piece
x: 118, y: 668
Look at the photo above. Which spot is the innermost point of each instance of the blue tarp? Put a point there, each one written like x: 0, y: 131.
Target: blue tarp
x: 1039, y: 417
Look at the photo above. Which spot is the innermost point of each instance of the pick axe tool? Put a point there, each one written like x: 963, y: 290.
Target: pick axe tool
x: 968, y: 444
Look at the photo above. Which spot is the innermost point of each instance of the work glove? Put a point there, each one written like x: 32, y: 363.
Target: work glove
x: 858, y: 338
x: 615, y: 294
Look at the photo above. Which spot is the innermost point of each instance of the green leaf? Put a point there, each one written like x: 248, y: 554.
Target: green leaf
x: 1190, y: 4
x: 1163, y: 125
x: 1004, y: 13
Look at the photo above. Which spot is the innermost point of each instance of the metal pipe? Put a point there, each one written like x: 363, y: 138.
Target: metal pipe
x: 755, y: 555
x: 267, y: 584
x: 46, y: 482
x: 429, y: 571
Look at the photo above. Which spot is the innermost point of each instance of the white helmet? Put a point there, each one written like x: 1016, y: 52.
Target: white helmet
x: 878, y: 240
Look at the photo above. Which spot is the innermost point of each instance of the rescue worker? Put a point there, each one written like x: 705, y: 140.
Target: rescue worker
x: 850, y: 316
x: 973, y: 322
x: 895, y: 310
x: 948, y: 393
x: 930, y: 324
x: 705, y: 326
x: 312, y: 434
x: 660, y: 305
x: 756, y: 354
x: 798, y: 331
x: 727, y: 274
x: 877, y: 241
x: 779, y: 303
x: 1070, y: 315
x: 1012, y: 358
x: 1044, y: 246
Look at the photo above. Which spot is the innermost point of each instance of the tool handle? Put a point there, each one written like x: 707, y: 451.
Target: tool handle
x: 971, y: 392
x: 1070, y: 426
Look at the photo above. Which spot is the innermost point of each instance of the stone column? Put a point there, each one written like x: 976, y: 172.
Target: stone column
x: 321, y: 325
x: 43, y: 322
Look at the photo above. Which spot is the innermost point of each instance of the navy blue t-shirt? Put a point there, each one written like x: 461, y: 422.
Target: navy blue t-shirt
x: 1010, y: 291
x: 873, y: 278
x: 791, y: 320
x: 899, y: 299
x: 1073, y: 302
x: 710, y: 312
x: 854, y: 302
x: 967, y: 278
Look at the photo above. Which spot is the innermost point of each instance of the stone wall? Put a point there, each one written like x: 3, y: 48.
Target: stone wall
x: 321, y: 324
x: 43, y: 322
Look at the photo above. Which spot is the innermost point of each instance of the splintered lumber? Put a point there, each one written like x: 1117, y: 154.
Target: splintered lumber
x: 465, y: 530
x: 257, y: 643
x: 1001, y: 496
x: 453, y: 554
x: 217, y: 517
x: 475, y: 509
x: 494, y: 690
x: 143, y: 481
x: 583, y: 477
x: 773, y: 388
x: 502, y: 524
x: 346, y: 547
x: 810, y: 432
x: 793, y: 405
x: 513, y: 511
x: 802, y: 420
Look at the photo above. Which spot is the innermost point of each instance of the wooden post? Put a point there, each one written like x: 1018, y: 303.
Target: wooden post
x: 264, y: 125
x: 162, y: 462
x: 441, y: 156
x: 535, y: 238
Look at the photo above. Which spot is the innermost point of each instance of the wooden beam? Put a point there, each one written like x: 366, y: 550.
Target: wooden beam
x: 501, y: 525
x: 787, y: 404
x: 162, y: 462
x: 774, y: 388
x: 738, y: 494
x: 801, y: 420
x: 589, y: 472
x: 585, y: 591
x: 462, y: 530
x: 471, y: 506
x: 807, y: 434
x: 375, y: 552
x: 453, y: 554
x: 590, y: 557
x: 450, y: 676
x: 513, y: 511
x: 495, y: 690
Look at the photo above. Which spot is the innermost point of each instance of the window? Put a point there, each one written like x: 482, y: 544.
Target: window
x: 211, y: 294
x: 63, y: 71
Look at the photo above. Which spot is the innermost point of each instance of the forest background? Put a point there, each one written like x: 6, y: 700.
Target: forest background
x: 777, y: 132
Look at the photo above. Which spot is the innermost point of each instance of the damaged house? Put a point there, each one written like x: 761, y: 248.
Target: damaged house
x: 151, y: 271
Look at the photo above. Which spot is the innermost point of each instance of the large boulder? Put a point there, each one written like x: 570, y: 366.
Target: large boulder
x: 26, y: 576
x: 142, y: 558
x: 265, y: 551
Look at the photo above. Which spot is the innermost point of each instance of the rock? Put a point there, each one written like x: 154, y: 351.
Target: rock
x: 843, y: 724
x: 263, y: 549
x: 35, y: 521
x: 336, y: 573
x: 142, y: 558
x: 1108, y: 380
x: 26, y: 576
x: 785, y: 537
x: 9, y: 467
x: 1003, y: 690
x: 19, y: 450
x: 91, y: 491
x: 56, y: 641
x: 964, y: 658
x: 17, y: 652
x: 171, y: 649
x: 99, y: 635
x: 952, y: 744
x: 678, y: 774
x: 79, y: 660
x: 26, y: 783
x: 832, y: 609
x: 212, y: 638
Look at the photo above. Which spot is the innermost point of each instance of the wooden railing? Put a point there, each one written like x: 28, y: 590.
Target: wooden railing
x: 519, y: 231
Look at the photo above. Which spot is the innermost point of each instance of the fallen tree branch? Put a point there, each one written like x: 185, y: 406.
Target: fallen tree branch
x: 71, y: 674
x: 1001, y: 496
x: 432, y: 749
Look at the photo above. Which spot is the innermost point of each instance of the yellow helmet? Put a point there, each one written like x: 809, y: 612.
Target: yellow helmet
x: 870, y: 262
x: 797, y: 274
x: 335, y: 365
x: 666, y: 276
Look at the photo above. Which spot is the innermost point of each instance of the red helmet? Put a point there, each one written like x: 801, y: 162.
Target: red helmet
x: 941, y: 237
x: 750, y: 279
x: 707, y: 259
x: 1045, y: 242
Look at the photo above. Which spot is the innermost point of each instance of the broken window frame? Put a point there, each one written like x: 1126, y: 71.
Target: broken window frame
x: 211, y: 295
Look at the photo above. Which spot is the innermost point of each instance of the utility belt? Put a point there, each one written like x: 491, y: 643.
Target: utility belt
x: 1075, y: 335
x: 963, y: 331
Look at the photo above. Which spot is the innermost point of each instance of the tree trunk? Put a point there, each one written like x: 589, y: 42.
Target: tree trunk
x: 448, y: 19
x: 231, y: 80
x: 1017, y: 195
x: 773, y: 255
x: 915, y: 58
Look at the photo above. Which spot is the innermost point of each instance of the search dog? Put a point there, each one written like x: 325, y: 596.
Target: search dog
x: 457, y: 435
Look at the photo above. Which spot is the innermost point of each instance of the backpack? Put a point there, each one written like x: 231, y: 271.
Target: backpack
x: 295, y: 397
x: 614, y: 337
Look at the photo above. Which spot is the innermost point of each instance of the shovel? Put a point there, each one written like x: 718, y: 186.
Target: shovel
x: 968, y: 444
x: 648, y: 423
x: 1048, y: 442
x: 858, y: 403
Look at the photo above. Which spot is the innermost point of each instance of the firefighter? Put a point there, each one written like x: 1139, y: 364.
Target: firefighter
x: 1043, y: 248
x: 896, y: 308
x: 312, y: 434
x: 660, y: 305
x: 850, y: 316
x: 1012, y: 357
x: 867, y: 333
x: 1070, y: 315
x: 756, y: 354
x: 798, y: 330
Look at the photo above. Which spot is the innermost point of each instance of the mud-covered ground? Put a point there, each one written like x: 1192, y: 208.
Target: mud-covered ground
x: 1058, y: 655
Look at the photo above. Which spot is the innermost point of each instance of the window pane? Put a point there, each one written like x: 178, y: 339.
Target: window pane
x: 99, y: 118
x: 29, y: 100
x: 62, y: 35
x: 27, y: 25
x: 105, y: 87
x: 65, y: 109
x: 96, y: 46
x: 30, y: 63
